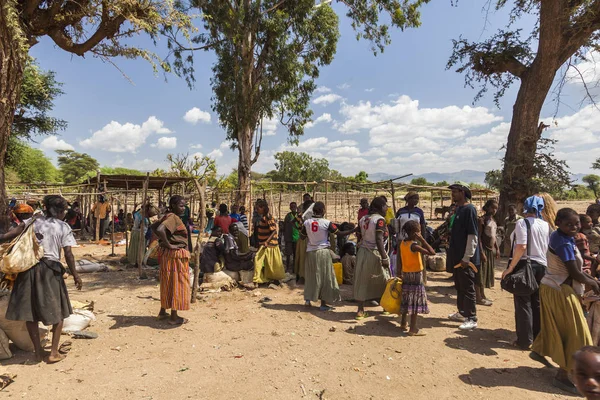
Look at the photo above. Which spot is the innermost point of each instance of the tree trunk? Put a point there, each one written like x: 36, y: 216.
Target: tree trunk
x: 245, y: 137
x: 12, y: 64
x: 523, y: 137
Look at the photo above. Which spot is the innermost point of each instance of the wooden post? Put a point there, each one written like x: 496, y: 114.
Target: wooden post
x: 97, y: 235
x: 431, y: 211
x: 442, y: 199
x: 112, y: 218
x: 271, y: 195
x: 280, y: 199
x: 142, y: 243
x: 393, y: 197
x: 349, y: 209
x: 249, y: 210
x: 326, y: 195
x: 315, y: 192
x: 201, y: 225
x: 126, y: 227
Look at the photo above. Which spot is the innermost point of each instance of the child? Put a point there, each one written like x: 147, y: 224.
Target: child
x: 589, y: 263
x: 243, y: 217
x: 594, y: 212
x: 489, y: 251
x: 414, y: 298
x: 586, y: 372
x: 349, y: 262
x: 592, y: 234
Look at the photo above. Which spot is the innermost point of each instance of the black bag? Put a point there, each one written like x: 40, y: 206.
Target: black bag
x: 521, y: 282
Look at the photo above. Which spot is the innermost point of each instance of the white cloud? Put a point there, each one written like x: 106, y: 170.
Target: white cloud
x: 197, y: 154
x: 345, y: 151
x: 370, y: 90
x: 196, y: 146
x: 327, y: 99
x: 225, y: 145
x: 323, y: 118
x: 54, y: 143
x: 196, y: 115
x: 492, y: 140
x: 166, y: 143
x: 343, y: 86
x: 148, y: 165
x: 216, y: 153
x: 122, y: 138
x: 587, y: 71
x: 269, y: 126
x: 322, y: 89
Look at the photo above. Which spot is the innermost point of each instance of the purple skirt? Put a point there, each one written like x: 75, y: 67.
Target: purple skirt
x: 414, y: 297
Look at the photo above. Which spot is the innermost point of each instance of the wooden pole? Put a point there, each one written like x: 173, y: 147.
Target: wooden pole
x: 393, y: 197
x: 126, y: 227
x: 431, y: 211
x: 142, y: 242
x: 348, y: 201
x: 97, y: 235
x: 326, y: 195
x: 112, y: 220
x: 280, y: 200
x: 201, y: 225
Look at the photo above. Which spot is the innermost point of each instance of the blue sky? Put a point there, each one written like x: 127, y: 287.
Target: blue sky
x: 399, y: 112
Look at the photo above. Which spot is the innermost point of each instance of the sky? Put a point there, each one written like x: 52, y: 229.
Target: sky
x: 398, y: 112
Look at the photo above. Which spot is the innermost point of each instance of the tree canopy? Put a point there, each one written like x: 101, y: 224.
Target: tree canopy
x: 562, y: 33
x: 32, y: 165
x: 75, y: 166
x: 298, y: 167
x: 593, y: 182
x: 269, y: 54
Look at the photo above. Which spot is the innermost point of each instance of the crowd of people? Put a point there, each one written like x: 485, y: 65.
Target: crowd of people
x: 561, y: 247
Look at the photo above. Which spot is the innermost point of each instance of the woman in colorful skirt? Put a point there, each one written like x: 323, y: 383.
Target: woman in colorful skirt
x: 268, y: 264
x: 173, y: 258
x: 489, y: 251
x: 414, y: 298
x: 564, y: 329
x: 320, y: 282
x: 40, y: 293
x: 372, y: 263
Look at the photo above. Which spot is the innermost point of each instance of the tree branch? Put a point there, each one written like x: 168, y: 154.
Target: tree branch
x: 498, y: 63
x: 257, y: 149
x: 580, y: 31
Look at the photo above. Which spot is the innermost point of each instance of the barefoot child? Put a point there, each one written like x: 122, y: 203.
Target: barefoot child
x: 586, y: 372
x: 414, y: 298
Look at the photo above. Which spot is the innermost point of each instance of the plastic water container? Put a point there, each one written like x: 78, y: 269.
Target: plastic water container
x: 339, y: 272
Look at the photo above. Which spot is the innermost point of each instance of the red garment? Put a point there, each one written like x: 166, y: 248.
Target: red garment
x: 362, y: 212
x: 224, y: 222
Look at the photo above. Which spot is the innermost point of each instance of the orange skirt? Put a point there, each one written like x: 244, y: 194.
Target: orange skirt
x: 174, y: 279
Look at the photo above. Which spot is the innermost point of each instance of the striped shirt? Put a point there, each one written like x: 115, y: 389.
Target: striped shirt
x: 266, y: 226
x: 244, y: 220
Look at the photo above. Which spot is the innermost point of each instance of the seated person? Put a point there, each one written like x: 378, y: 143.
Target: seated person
x: 349, y: 263
x: 241, y: 237
x: 234, y: 259
x: 211, y: 260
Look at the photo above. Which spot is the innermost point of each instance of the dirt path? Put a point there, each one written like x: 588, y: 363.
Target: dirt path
x: 237, y: 348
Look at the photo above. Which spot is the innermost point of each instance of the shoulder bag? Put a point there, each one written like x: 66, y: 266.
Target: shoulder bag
x: 21, y: 253
x: 521, y: 282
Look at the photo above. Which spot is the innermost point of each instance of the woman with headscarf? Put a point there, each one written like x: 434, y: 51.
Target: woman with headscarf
x: 531, y: 233
x: 22, y: 213
x: 268, y: 264
x: 410, y: 212
x: 40, y: 293
x: 490, y: 251
x: 563, y: 327
x: 372, y: 262
x: 173, y: 258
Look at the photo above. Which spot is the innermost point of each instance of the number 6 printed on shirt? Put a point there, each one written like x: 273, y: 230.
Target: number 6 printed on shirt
x: 314, y: 226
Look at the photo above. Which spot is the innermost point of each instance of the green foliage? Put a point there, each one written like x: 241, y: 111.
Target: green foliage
x: 31, y: 165
x: 550, y: 174
x: 39, y: 90
x: 75, y: 167
x: 577, y: 192
x: 192, y: 166
x: 361, y: 177
x: 596, y: 164
x: 493, y: 179
x: 120, y: 171
x: 420, y: 182
x: 593, y: 182
x: 298, y: 167
x: 442, y: 184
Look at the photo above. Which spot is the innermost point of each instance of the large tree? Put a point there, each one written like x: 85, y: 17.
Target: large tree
x: 269, y: 53
x: 99, y: 27
x: 75, y: 166
x: 564, y: 31
x: 299, y: 167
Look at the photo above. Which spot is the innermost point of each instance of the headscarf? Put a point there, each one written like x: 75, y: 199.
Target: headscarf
x: 23, y: 209
x: 534, y: 205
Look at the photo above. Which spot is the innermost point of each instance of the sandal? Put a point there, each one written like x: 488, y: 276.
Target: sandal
x: 417, y: 333
x: 363, y: 316
x: 162, y: 317
x: 65, y: 347
x: 485, y: 302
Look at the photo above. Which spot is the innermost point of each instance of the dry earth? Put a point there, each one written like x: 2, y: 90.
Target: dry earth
x: 235, y: 347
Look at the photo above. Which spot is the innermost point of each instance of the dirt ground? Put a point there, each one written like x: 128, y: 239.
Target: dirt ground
x: 236, y: 347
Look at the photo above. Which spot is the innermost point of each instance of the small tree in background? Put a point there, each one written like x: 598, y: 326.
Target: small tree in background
x: 593, y: 183
x: 74, y: 166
